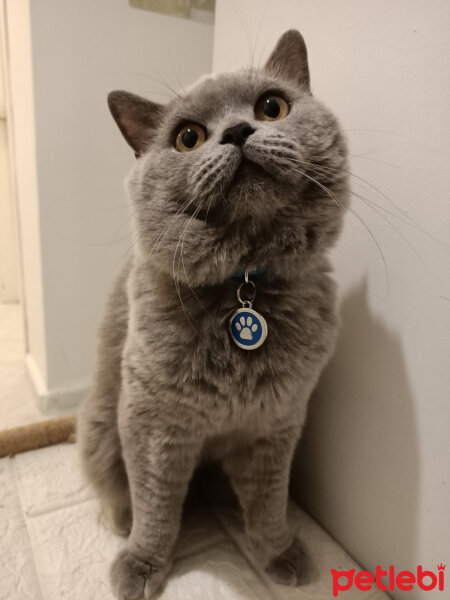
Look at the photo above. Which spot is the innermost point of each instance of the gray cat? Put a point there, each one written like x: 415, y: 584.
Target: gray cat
x: 243, y: 177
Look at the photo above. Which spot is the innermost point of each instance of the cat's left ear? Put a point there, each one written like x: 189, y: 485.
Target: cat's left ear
x: 136, y: 117
x: 289, y: 59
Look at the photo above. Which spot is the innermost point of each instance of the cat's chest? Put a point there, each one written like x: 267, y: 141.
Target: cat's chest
x: 192, y: 342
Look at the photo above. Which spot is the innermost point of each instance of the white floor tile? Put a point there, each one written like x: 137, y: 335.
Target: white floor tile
x: 50, y: 478
x: 72, y: 553
x: 18, y: 580
x: 219, y: 573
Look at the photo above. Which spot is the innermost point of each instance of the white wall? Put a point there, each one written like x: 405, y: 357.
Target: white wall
x: 374, y: 464
x: 76, y: 223
x: 9, y: 262
x: 19, y: 86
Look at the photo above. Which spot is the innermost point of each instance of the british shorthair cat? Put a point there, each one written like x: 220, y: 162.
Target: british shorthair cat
x: 220, y: 323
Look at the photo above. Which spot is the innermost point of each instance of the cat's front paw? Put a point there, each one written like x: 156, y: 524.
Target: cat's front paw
x: 293, y: 567
x: 133, y: 578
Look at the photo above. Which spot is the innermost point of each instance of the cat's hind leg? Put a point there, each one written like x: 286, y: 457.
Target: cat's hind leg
x: 97, y: 430
x: 104, y: 467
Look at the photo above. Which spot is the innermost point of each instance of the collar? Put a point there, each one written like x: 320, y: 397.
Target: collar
x: 252, y: 270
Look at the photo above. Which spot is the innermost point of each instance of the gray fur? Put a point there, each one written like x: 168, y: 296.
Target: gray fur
x: 172, y: 390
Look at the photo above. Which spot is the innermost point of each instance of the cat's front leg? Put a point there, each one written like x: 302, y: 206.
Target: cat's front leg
x: 160, y: 456
x: 259, y: 473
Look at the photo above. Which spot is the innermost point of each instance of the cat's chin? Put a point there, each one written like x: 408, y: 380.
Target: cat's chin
x: 249, y: 192
x: 248, y: 172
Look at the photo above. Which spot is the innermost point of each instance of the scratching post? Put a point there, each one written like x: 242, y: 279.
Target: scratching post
x: 37, y: 435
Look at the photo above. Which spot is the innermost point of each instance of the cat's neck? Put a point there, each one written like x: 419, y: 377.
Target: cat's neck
x: 267, y: 276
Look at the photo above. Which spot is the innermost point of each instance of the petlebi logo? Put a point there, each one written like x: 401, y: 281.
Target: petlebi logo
x: 388, y: 580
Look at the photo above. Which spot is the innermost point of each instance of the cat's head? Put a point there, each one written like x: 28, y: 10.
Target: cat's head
x: 252, y: 153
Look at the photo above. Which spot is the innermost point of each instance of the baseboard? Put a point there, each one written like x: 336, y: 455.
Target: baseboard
x: 56, y: 400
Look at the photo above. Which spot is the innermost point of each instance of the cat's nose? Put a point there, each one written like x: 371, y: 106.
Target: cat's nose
x: 237, y: 134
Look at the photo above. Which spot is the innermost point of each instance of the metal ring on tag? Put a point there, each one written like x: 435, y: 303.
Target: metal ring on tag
x: 253, y: 294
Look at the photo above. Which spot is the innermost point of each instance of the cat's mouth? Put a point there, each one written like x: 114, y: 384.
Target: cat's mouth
x: 248, y: 172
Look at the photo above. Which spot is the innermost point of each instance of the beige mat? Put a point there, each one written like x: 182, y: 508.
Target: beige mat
x: 37, y: 435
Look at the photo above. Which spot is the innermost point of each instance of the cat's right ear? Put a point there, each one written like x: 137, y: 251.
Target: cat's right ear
x: 136, y: 118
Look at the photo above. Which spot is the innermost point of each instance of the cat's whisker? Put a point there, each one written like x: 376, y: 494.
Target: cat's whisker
x: 402, y: 217
x: 223, y: 195
x: 180, y: 210
x: 175, y: 273
x: 209, y: 207
x: 351, y: 174
x: 329, y: 172
x: 182, y: 249
x: 258, y: 32
x: 357, y: 216
x: 163, y: 81
x: 179, y: 82
x: 183, y: 235
x: 374, y: 160
x: 397, y: 230
x: 246, y: 32
x: 405, y: 218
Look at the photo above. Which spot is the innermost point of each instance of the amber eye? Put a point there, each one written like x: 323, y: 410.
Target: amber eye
x: 190, y: 137
x: 271, y: 108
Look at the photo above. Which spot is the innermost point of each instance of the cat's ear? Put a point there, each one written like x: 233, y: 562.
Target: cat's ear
x: 289, y: 59
x: 136, y: 117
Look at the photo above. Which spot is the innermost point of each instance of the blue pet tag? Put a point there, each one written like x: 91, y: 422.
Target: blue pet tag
x: 248, y: 328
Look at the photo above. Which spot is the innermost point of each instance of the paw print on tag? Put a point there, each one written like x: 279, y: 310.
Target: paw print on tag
x: 246, y: 327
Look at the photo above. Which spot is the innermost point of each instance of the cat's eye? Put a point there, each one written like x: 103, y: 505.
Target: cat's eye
x: 271, y: 108
x: 190, y: 137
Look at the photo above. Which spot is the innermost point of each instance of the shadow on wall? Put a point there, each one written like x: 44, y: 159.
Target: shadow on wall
x: 356, y: 469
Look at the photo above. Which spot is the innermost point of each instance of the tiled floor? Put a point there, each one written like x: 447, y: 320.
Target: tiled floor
x: 18, y: 404
x: 53, y: 546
